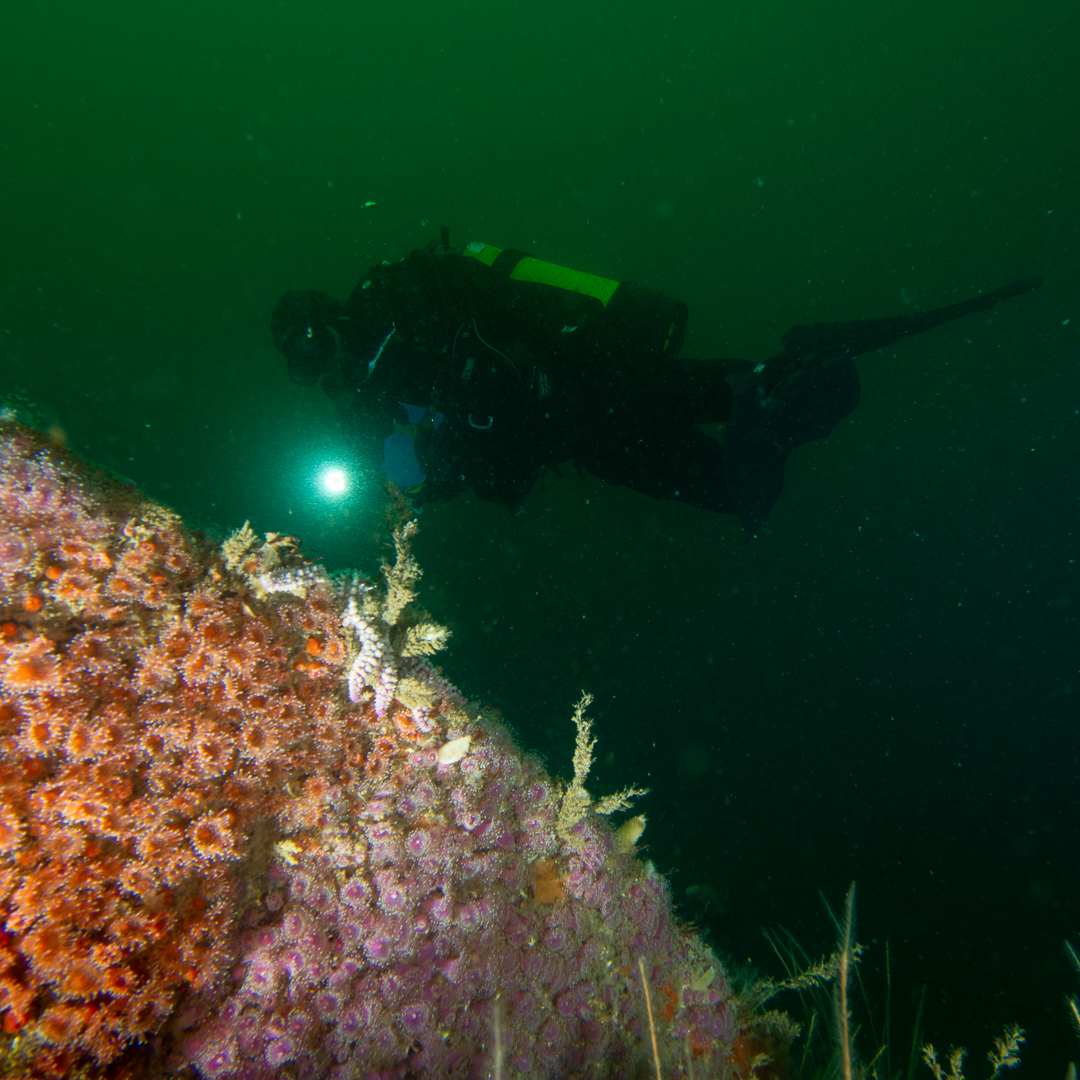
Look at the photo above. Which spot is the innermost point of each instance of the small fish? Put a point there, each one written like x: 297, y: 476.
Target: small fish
x: 369, y: 203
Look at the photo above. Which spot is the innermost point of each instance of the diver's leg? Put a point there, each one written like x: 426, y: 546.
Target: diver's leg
x: 767, y: 424
x: 704, y: 387
x: 655, y: 448
x: 671, y: 460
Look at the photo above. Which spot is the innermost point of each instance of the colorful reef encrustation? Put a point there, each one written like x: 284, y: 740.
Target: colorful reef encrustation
x: 248, y: 830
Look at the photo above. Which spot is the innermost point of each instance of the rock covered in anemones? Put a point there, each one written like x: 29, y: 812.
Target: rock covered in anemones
x: 220, y: 859
x: 438, y: 894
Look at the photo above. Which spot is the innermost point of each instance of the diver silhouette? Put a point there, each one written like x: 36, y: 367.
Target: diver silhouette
x: 477, y: 367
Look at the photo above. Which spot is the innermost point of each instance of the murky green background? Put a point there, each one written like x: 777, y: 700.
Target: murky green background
x: 882, y: 685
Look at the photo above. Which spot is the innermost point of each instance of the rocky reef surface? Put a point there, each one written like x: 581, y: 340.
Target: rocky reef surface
x: 248, y: 830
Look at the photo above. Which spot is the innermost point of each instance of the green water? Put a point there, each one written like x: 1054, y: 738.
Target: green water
x: 882, y: 685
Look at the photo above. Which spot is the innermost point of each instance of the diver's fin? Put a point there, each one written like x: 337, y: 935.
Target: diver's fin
x: 764, y: 428
x: 807, y: 345
x: 1016, y: 288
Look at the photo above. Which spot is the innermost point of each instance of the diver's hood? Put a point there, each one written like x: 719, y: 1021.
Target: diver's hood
x: 303, y: 326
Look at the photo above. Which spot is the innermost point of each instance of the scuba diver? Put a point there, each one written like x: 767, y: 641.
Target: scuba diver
x: 477, y: 367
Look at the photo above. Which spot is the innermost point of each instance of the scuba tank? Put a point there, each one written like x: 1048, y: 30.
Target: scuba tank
x: 620, y: 313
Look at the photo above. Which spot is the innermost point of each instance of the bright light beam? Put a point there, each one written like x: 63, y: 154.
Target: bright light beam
x: 333, y: 481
